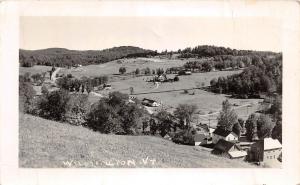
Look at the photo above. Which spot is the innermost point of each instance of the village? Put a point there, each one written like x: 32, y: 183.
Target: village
x: 207, y: 104
x: 218, y: 141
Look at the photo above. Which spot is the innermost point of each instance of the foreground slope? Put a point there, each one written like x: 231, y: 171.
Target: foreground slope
x: 45, y: 143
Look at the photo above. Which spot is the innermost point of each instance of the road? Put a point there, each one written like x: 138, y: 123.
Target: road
x: 205, y: 115
x: 53, y: 77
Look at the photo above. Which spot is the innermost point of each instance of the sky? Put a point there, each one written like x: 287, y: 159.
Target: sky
x: 156, y: 33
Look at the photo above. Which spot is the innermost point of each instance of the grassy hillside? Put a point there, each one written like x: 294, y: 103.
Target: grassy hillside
x: 131, y: 64
x: 65, y: 57
x: 45, y: 143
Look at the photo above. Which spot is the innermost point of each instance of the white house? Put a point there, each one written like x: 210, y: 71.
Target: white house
x: 266, y: 150
x: 150, y: 103
x: 227, y: 135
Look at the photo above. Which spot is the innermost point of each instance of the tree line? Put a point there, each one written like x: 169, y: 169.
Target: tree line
x: 83, y: 84
x: 60, y: 57
x: 210, y: 51
x: 262, y: 77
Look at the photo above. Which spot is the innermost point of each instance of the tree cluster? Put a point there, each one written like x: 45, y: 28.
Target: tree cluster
x: 210, y: 51
x: 259, y: 127
x: 61, y: 106
x: 66, y: 58
x: 262, y: 78
x: 26, y: 93
x: 115, y: 115
x: 84, y: 84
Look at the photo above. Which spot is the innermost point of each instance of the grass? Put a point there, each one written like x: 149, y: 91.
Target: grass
x: 172, y: 94
x: 49, y: 144
x: 130, y: 64
x: 34, y: 69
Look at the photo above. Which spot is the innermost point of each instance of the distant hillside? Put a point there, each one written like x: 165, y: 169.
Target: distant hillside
x: 44, y: 143
x: 64, y: 57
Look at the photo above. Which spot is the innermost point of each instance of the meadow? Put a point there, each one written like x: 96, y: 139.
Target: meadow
x: 170, y: 95
x: 49, y: 144
x: 34, y: 69
x: 131, y: 64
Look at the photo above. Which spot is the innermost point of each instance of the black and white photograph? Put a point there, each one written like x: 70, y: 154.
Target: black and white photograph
x: 110, y: 92
x: 149, y: 92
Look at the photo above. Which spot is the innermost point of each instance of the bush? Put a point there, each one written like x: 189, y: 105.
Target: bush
x: 69, y: 76
x: 116, y: 115
x: 26, y: 95
x: 185, y: 137
x: 104, y: 118
x: 176, y: 79
x: 54, y: 105
x: 77, y: 109
x: 122, y: 70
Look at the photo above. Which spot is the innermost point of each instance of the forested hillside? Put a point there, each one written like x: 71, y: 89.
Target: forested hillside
x: 63, y: 57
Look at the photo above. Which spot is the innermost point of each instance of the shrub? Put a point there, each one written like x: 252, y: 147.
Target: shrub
x: 44, y: 90
x: 122, y: 70
x: 54, y: 105
x: 104, y: 118
x: 185, y: 137
x: 26, y: 95
x: 116, y: 115
x: 77, y: 109
x: 176, y: 79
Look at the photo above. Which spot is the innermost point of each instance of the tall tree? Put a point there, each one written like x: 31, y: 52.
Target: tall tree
x: 251, y: 127
x: 227, y: 117
x: 185, y: 112
x: 264, y: 126
x: 165, y: 122
x: 122, y: 70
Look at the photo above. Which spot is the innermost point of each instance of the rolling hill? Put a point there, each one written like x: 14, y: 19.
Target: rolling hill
x: 65, y: 57
x: 49, y: 144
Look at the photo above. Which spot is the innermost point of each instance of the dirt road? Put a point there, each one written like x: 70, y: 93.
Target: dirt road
x: 53, y: 76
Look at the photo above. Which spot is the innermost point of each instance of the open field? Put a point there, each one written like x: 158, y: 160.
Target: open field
x: 168, y: 94
x: 34, y: 69
x: 45, y: 143
x: 130, y: 64
x: 172, y: 94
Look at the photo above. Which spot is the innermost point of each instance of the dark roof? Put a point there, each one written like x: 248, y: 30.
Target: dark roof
x: 149, y: 100
x: 222, y: 146
x: 199, y: 137
x: 222, y: 132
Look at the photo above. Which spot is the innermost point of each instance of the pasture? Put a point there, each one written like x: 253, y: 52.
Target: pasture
x: 34, y: 69
x: 49, y: 144
x: 130, y: 65
x: 170, y: 95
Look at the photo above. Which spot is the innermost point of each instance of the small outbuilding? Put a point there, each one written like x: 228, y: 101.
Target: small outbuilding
x: 150, y: 103
x: 227, y: 135
x: 229, y: 149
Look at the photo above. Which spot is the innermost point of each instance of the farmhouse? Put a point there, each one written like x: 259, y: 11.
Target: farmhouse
x: 150, y: 103
x: 227, y: 135
x: 266, y: 150
x: 229, y: 149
